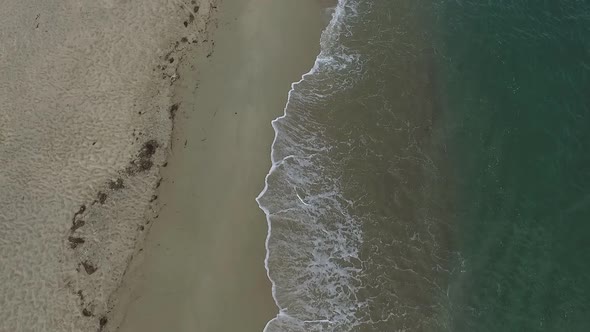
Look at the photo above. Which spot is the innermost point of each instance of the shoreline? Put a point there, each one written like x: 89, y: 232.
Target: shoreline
x: 204, y: 257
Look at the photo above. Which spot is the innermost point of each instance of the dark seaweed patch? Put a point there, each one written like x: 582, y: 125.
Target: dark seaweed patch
x: 172, y: 110
x: 144, y: 158
x: 76, y: 224
x: 81, y: 296
x: 102, y: 197
x: 75, y: 241
x: 89, y: 268
x: 80, y: 211
x: 102, y: 322
x: 117, y: 184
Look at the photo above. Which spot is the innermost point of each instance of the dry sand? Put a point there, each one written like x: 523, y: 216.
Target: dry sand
x: 84, y: 124
x: 201, y: 268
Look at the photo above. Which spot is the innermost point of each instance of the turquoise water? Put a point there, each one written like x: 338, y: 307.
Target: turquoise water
x: 432, y: 171
x: 517, y: 77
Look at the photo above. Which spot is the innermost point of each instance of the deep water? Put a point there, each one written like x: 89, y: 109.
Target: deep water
x: 517, y: 79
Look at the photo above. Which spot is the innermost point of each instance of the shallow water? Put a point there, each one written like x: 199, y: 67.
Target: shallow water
x: 431, y: 171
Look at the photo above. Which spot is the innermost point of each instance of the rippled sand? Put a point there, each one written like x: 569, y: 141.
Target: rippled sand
x: 85, y: 123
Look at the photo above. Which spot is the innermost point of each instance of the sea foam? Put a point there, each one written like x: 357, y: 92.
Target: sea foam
x: 313, y: 241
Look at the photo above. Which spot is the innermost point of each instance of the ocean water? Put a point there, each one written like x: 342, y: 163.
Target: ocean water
x: 432, y: 171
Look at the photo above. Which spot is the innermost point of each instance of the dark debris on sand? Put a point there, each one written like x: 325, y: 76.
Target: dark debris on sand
x: 101, y: 197
x: 143, y: 162
x: 88, y: 267
x: 102, y: 322
x: 117, y: 184
x: 173, y: 109
x: 75, y: 241
x: 76, y: 224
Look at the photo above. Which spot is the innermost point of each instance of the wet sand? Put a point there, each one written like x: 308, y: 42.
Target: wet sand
x: 202, y: 265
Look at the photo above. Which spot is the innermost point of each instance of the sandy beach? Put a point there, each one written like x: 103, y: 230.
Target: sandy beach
x: 120, y: 119
x: 201, y: 267
x: 85, y: 123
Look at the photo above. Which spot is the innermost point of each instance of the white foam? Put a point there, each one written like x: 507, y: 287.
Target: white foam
x: 343, y: 239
